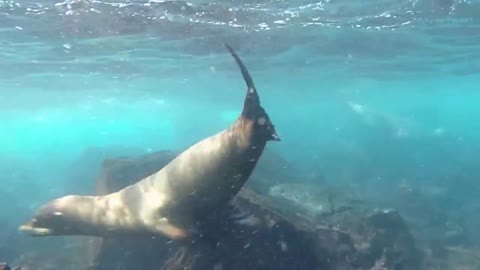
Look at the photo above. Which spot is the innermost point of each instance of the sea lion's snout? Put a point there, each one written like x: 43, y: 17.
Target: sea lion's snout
x: 270, y: 130
x: 275, y: 137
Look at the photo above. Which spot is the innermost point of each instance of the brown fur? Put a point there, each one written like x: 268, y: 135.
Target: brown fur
x: 173, y: 201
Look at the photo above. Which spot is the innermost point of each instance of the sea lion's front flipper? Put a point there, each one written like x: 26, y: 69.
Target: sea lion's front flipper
x: 83, y: 215
x: 68, y: 215
x: 94, y: 216
x: 171, y: 231
x: 31, y: 230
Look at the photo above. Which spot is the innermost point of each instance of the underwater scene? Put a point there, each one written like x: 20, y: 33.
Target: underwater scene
x: 232, y: 135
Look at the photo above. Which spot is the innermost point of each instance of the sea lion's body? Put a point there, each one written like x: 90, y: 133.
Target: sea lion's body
x: 171, y: 202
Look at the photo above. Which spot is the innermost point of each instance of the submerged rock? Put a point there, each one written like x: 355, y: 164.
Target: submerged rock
x: 303, y: 196
x: 268, y: 236
x: 272, y: 169
x: 84, y: 169
x: 256, y: 232
x: 274, y: 243
x: 314, y: 201
x: 4, y: 266
x: 387, y: 238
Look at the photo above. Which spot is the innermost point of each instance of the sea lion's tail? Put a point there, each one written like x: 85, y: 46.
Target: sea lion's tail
x: 252, y: 109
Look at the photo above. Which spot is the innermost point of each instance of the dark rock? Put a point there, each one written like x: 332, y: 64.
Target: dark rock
x: 267, y: 238
x: 272, y: 169
x: 254, y: 232
x: 130, y: 253
x: 84, y: 169
x: 384, y: 237
x: 118, y: 173
x: 52, y: 256
x: 274, y: 244
x: 4, y: 266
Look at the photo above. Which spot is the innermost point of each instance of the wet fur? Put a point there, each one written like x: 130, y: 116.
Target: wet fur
x: 173, y: 201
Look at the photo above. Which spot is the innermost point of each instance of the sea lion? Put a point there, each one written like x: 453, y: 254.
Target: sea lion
x: 173, y: 201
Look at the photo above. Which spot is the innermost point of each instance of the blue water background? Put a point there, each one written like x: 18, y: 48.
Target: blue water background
x: 376, y: 94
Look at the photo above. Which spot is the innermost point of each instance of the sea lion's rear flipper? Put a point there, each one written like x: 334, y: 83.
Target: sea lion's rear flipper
x: 252, y: 109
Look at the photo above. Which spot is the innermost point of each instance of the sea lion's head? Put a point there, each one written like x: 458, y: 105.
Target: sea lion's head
x: 263, y: 126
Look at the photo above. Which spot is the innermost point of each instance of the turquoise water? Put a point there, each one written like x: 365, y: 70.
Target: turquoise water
x: 387, y: 90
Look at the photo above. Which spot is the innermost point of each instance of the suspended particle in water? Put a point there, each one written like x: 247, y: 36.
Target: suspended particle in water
x: 218, y: 266
x: 283, y: 246
x: 261, y: 121
x: 438, y: 131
